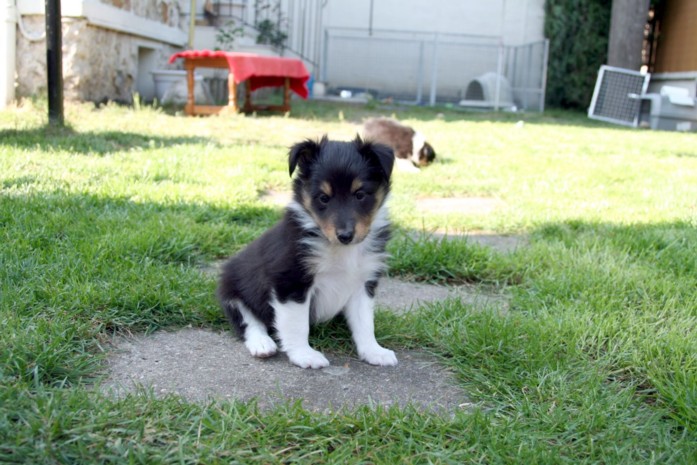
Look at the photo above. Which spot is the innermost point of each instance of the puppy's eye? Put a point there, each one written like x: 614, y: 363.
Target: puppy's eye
x: 359, y: 195
x: 323, y: 199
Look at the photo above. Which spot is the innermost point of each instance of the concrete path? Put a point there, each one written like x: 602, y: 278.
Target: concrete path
x: 200, y: 365
x: 401, y: 296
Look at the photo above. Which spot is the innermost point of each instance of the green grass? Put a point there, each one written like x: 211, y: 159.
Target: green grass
x: 105, y: 225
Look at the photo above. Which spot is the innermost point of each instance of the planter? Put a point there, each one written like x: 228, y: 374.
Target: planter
x: 165, y: 79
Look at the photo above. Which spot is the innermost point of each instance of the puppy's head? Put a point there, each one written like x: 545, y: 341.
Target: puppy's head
x: 422, y: 152
x: 426, y: 154
x: 342, y: 185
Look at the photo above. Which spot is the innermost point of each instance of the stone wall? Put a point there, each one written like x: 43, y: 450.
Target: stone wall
x: 163, y: 11
x: 98, y: 63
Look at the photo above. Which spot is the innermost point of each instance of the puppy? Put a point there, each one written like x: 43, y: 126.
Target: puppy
x: 407, y: 144
x: 323, y: 258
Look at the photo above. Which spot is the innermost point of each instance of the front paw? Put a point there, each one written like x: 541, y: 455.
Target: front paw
x: 379, y: 356
x: 308, y: 358
x: 261, y: 346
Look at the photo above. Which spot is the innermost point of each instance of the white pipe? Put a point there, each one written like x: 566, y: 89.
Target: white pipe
x: 192, y: 22
x: 8, y: 37
x: 35, y: 37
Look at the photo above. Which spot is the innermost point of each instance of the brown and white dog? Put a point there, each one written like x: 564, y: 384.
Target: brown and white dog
x: 409, y: 146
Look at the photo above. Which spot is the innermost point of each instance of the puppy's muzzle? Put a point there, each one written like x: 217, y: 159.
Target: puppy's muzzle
x: 345, y: 229
x: 345, y: 236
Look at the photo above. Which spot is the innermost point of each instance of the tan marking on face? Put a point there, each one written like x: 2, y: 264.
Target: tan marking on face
x: 356, y: 185
x: 326, y: 188
x: 362, y: 228
x: 307, y: 201
x: 364, y: 223
x: 326, y: 226
x: 379, y: 199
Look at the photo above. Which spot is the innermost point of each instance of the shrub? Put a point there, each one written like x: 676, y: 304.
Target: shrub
x: 578, y: 32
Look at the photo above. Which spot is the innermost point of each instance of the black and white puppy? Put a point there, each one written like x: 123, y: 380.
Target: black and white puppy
x: 409, y: 146
x: 324, y: 257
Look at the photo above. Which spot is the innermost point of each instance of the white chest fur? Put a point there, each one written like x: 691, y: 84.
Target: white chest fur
x: 340, y: 272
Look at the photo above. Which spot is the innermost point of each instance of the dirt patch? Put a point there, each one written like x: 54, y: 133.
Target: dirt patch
x: 201, y: 365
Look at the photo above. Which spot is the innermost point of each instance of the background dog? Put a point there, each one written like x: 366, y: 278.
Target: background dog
x: 323, y: 258
x: 406, y: 143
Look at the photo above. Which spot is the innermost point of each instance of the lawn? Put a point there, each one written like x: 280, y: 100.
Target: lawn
x: 105, y: 227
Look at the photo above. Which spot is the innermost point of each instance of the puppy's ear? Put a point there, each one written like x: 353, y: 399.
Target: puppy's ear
x: 303, y: 153
x: 380, y: 153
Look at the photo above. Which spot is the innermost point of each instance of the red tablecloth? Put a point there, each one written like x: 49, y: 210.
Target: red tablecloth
x: 262, y: 71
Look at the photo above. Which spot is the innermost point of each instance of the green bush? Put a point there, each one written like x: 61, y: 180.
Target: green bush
x: 578, y: 32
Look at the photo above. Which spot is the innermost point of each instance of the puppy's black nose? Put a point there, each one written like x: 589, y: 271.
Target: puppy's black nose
x: 345, y: 236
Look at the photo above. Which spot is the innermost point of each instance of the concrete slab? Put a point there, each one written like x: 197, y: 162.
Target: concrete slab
x: 502, y: 243
x: 200, y: 365
x: 402, y: 296
x: 459, y: 205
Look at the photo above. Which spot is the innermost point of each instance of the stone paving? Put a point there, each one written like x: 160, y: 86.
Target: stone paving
x: 200, y: 365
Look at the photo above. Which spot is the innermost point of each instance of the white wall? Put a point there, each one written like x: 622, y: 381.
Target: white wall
x: 517, y: 21
x: 408, y: 65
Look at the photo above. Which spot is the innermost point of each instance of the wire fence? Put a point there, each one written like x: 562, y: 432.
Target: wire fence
x: 420, y: 68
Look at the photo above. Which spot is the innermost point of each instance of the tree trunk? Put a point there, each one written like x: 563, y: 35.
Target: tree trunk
x: 627, y: 33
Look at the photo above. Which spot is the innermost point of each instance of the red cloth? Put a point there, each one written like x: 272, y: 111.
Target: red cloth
x: 262, y: 71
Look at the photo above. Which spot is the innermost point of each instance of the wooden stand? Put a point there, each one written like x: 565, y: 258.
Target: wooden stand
x: 191, y: 109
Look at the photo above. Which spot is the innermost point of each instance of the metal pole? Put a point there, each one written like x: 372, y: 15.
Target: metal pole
x: 515, y: 78
x: 192, y: 22
x: 434, y: 72
x: 499, y: 59
x: 420, y: 77
x: 545, y: 57
x: 499, y: 70
x: 54, y: 62
x: 325, y: 56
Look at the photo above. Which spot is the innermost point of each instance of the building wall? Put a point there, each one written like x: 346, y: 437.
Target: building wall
x: 102, y: 58
x: 419, y: 48
x: 678, y: 35
x: 515, y: 21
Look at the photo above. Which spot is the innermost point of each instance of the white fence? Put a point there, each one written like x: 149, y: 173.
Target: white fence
x: 435, y: 68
